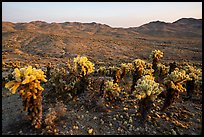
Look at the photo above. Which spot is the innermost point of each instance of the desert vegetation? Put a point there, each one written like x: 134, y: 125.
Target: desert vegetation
x: 141, y: 88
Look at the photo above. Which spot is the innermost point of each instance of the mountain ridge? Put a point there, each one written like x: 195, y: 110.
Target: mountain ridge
x: 184, y: 27
x: 100, y: 42
x: 39, y: 21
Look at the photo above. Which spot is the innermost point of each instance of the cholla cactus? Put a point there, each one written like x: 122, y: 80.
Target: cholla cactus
x: 174, y: 83
x: 176, y: 79
x: 137, y: 72
x: 148, y: 70
x: 110, y: 70
x: 139, y: 64
x: 147, y: 87
x: 27, y: 82
x: 61, y: 83
x: 156, y: 55
x: 83, y: 65
x: 192, y: 82
x: 112, y: 90
x: 146, y: 91
x: 163, y: 69
x: 101, y: 70
x: 198, y: 81
x: 161, y: 72
x: 126, y: 68
x: 192, y: 72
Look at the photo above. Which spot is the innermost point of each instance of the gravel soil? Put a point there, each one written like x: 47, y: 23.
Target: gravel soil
x: 86, y: 115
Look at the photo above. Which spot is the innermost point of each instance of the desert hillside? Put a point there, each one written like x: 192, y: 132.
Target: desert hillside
x: 41, y: 42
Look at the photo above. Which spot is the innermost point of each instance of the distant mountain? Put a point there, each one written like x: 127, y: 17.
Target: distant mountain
x: 185, y: 27
x: 189, y: 21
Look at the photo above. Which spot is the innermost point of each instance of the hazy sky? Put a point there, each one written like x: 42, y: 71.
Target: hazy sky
x: 114, y: 14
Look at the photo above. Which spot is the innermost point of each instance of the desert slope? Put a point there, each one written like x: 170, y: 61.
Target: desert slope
x: 39, y: 41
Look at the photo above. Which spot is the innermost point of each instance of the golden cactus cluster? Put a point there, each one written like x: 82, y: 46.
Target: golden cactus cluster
x: 27, y: 82
x: 138, y: 63
x: 143, y: 67
x: 176, y: 79
x: 147, y: 87
x: 162, y: 69
x: 192, y: 71
x: 83, y: 65
x: 177, y: 76
x: 128, y: 67
x: 28, y: 75
x: 148, y: 70
x: 156, y: 54
x: 112, y: 89
x: 198, y: 81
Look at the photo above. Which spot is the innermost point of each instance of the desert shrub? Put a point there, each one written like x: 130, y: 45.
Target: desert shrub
x: 101, y: 71
x: 54, y: 114
x: 71, y: 79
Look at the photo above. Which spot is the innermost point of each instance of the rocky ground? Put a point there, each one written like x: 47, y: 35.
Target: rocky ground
x: 84, y: 117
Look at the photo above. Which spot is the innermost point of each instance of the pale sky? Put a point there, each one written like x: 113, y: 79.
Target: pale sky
x: 114, y: 14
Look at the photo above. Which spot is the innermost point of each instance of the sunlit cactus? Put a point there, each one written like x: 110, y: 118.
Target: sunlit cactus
x: 83, y: 65
x: 137, y: 72
x: 111, y: 90
x: 148, y: 69
x: 176, y: 79
x: 163, y: 69
x: 126, y: 69
x: 192, y: 83
x: 147, y: 87
x: 146, y: 90
x: 174, y: 84
x: 155, y: 57
x: 71, y: 78
x: 27, y: 83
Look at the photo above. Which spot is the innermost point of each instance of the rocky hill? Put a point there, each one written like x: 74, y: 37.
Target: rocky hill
x: 184, y: 28
x: 40, y: 42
